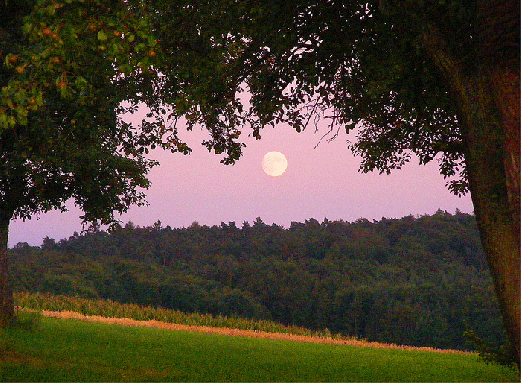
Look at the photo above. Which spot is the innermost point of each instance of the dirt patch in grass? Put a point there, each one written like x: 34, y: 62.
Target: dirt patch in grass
x: 236, y: 332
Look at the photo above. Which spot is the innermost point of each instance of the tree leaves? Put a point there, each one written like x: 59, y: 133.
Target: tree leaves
x: 349, y: 63
x: 60, y: 136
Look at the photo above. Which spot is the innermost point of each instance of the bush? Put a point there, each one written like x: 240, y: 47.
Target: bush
x: 504, y: 355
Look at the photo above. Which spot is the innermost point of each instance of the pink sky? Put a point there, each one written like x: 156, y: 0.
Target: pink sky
x: 319, y: 183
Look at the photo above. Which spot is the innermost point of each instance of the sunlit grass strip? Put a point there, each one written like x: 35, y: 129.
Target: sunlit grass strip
x: 111, y: 309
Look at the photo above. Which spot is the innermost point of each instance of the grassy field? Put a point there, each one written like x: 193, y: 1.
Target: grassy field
x: 74, y: 350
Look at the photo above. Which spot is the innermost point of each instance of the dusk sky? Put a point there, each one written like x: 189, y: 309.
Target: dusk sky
x: 322, y: 182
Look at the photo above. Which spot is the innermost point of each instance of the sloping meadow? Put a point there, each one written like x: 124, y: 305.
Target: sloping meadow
x: 86, y: 349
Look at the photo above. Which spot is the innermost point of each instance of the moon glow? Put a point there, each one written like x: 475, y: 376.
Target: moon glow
x: 274, y: 164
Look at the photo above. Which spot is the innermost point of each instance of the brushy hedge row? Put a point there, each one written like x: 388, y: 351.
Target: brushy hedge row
x: 111, y: 309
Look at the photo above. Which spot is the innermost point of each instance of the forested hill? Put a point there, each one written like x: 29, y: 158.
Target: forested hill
x: 414, y: 280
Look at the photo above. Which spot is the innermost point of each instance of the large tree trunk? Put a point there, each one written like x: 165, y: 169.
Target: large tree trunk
x: 487, y: 94
x: 6, y: 293
x: 492, y: 157
x: 488, y: 152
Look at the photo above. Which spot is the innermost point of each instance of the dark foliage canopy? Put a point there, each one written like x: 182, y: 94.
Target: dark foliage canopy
x: 361, y: 66
x: 67, y: 79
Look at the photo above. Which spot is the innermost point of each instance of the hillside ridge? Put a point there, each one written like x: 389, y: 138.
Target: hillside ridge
x: 420, y: 281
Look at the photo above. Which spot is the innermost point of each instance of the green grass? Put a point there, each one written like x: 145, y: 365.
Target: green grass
x: 73, y: 350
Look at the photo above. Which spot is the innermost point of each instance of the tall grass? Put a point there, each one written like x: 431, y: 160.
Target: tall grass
x: 111, y: 309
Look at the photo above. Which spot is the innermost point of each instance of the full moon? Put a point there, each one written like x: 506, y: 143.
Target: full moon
x: 274, y: 164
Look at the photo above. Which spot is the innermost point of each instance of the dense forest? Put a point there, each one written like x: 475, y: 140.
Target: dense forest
x: 416, y: 280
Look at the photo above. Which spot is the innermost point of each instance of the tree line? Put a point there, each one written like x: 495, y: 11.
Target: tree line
x: 418, y: 281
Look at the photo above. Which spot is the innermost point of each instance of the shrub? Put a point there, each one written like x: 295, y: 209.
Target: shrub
x: 504, y: 355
